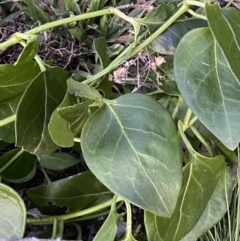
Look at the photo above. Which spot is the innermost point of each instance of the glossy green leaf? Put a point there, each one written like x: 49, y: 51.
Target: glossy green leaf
x: 7, y: 109
x: 82, y: 90
x: 109, y: 229
x: 29, y: 52
x: 100, y: 46
x: 216, y: 207
x: 12, y: 213
x: 21, y: 170
x: 57, y: 161
x: 72, y: 6
x: 227, y: 36
x: 167, y: 42
x: 208, y: 85
x: 134, y: 151
x: 200, y: 178
x: 76, y: 192
x: 36, y: 106
x: 15, y: 79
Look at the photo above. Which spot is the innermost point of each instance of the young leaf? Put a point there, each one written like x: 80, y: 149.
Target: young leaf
x: 13, y: 213
x: 57, y: 161
x: 75, y: 192
x: 15, y: 79
x: 29, y: 52
x: 82, y: 90
x: 209, y: 85
x: 109, y: 229
x: 134, y: 151
x: 100, y: 46
x: 21, y: 170
x: 36, y: 106
x: 200, y: 178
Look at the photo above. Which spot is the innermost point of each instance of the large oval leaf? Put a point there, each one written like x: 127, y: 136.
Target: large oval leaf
x: 209, y: 85
x: 12, y: 213
x: 36, y: 106
x: 131, y: 145
x: 200, y: 181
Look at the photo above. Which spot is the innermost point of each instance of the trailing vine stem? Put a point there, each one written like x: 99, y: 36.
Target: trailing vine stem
x: 49, y: 220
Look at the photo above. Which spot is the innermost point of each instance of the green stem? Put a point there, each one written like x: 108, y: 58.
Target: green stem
x: 193, y: 120
x: 184, y: 138
x: 54, y: 231
x: 129, y: 219
x: 60, y: 229
x: 7, y: 120
x: 197, y: 15
x: 76, y: 139
x: 201, y: 139
x: 18, y: 154
x: 175, y: 111
x: 49, y: 220
x: 183, y: 9
x: 79, y: 230
x: 187, y: 117
x: 93, y: 216
x: 195, y: 3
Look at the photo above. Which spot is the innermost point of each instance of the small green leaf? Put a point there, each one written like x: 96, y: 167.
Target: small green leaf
x: 36, y: 106
x: 21, y: 170
x: 209, y: 85
x: 76, y: 192
x: 200, y: 179
x: 57, y: 161
x: 15, y: 79
x: 12, y: 213
x: 134, y: 151
x: 82, y: 90
x: 65, y: 137
x: 100, y: 46
x: 29, y: 52
x: 109, y: 229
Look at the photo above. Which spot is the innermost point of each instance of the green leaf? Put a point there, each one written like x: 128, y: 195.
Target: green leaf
x: 109, y: 229
x: 227, y: 36
x: 65, y: 137
x: 29, y: 52
x: 21, y: 170
x: 36, y: 106
x: 15, y: 79
x: 100, y: 46
x: 208, y: 85
x: 36, y: 12
x: 82, y: 90
x: 134, y: 151
x: 167, y: 42
x: 13, y: 213
x: 216, y: 207
x: 200, y: 178
x: 7, y: 132
x: 76, y: 192
x: 57, y: 161
x: 157, y: 16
